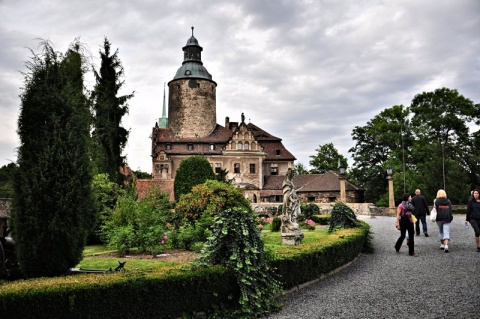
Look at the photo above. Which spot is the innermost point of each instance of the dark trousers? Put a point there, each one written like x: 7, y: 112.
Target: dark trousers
x: 423, y: 218
x: 406, y: 225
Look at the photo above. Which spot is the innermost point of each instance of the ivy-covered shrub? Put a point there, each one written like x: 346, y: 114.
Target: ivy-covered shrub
x: 195, y: 211
x: 342, y: 216
x: 236, y: 244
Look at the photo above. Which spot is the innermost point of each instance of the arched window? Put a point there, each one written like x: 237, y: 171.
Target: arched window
x: 247, y: 146
x: 239, y: 146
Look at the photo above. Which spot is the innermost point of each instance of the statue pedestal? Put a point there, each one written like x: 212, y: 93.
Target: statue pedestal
x: 292, y: 238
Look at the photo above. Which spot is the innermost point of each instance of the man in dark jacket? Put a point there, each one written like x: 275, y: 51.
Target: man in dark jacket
x: 421, y: 209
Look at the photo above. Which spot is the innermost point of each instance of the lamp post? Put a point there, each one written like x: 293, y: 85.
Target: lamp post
x: 391, y: 200
x: 343, y: 193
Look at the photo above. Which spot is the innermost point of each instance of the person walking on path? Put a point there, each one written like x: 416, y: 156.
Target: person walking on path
x: 473, y: 215
x: 404, y: 223
x: 444, y: 218
x: 421, y: 209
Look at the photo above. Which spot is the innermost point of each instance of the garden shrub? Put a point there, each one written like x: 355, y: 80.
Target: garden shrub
x: 342, y: 216
x: 276, y: 224
x: 236, y: 244
x: 142, y: 224
x: 310, y: 209
x: 197, y: 209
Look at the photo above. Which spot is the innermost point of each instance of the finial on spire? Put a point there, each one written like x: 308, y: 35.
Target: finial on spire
x: 192, y: 31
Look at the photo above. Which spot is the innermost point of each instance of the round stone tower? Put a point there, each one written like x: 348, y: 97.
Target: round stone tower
x: 192, y: 96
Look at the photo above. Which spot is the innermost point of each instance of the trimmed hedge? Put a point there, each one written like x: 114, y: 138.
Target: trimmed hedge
x: 170, y: 293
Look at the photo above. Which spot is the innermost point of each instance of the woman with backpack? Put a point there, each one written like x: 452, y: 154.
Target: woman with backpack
x: 405, y: 223
x: 444, y: 218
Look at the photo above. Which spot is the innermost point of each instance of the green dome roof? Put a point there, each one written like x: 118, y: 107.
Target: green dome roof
x: 192, y: 66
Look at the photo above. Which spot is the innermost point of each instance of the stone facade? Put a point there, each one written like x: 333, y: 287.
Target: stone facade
x: 192, y: 107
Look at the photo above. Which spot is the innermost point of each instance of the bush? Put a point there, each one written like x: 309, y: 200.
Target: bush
x: 141, y: 224
x: 342, y: 216
x: 236, y: 245
x: 276, y: 224
x: 193, y: 170
x: 310, y: 209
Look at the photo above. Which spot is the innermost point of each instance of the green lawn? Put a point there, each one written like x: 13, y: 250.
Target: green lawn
x: 97, y: 256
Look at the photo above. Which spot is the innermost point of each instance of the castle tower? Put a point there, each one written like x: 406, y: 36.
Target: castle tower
x: 192, y: 96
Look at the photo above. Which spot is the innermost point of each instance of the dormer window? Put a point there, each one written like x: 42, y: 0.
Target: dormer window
x: 212, y: 147
x: 168, y: 147
x: 188, y: 72
x: 277, y: 152
x: 190, y: 147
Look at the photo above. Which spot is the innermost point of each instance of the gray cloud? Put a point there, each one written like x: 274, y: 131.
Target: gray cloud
x: 305, y: 71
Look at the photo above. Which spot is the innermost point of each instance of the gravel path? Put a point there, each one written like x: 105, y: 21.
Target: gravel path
x: 389, y: 285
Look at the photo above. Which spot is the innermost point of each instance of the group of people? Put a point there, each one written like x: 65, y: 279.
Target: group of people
x: 412, y: 211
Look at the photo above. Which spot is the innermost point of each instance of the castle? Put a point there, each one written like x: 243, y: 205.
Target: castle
x: 254, y: 159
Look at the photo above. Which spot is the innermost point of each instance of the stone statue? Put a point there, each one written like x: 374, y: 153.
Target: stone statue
x: 291, y: 233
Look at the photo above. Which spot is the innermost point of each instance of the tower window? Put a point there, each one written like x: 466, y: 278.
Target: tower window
x: 236, y: 168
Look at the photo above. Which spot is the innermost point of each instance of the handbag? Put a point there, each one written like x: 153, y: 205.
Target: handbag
x: 414, y: 219
x: 433, y: 214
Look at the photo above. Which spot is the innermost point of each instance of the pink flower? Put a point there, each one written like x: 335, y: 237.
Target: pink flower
x: 165, y: 237
x: 162, y: 242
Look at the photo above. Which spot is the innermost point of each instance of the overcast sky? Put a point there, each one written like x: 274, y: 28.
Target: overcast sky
x: 305, y: 71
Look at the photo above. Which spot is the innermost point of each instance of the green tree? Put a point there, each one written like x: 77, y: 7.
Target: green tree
x: 6, y: 180
x: 109, y: 137
x: 327, y: 158
x: 300, y: 169
x: 52, y: 206
x: 440, y: 123
x: 382, y: 142
x: 193, y: 170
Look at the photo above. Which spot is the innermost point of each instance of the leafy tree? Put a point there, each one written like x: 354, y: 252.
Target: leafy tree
x: 327, y: 158
x: 6, y: 180
x: 382, y: 142
x: 300, y: 169
x: 106, y: 194
x: 109, y: 137
x: 192, y: 171
x: 440, y: 123
x: 142, y: 175
x: 52, y: 206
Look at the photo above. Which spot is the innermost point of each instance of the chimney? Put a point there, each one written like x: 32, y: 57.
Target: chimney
x: 227, y: 122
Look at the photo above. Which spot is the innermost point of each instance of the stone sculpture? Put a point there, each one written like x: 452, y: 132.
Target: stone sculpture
x: 291, y: 232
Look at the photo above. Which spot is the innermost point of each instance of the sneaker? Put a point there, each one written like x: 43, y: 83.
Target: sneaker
x: 446, y: 249
x: 426, y: 234
x: 442, y: 246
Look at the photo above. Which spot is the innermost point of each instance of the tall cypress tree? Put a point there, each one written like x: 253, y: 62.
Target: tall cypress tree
x: 52, y: 204
x: 109, y: 137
